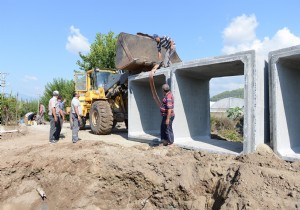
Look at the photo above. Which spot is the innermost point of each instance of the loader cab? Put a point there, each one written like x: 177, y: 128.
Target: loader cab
x: 93, y: 79
x: 99, y: 79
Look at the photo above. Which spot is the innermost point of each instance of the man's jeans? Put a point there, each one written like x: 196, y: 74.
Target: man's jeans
x: 167, y: 60
x: 75, y: 128
x: 54, y: 128
x: 166, y: 131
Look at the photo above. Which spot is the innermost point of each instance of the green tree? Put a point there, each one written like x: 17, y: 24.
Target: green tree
x: 66, y: 89
x: 102, y: 53
x: 8, y: 109
x: 27, y: 106
x: 238, y: 93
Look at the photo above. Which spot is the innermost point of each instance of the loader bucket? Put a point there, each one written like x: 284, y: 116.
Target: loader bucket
x: 136, y: 53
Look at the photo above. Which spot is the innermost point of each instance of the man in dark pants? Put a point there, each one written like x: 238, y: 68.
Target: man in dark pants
x: 53, y: 116
x: 76, y: 113
x: 168, y: 115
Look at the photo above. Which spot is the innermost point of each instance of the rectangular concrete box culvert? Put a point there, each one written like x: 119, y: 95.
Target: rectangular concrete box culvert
x: 284, y: 84
x: 190, y: 86
x: 143, y: 114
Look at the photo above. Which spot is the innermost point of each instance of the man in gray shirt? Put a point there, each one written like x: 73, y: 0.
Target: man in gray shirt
x: 53, y: 116
x: 42, y: 114
x: 76, y: 113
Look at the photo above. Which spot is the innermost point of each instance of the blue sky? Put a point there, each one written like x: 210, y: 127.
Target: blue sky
x: 40, y: 40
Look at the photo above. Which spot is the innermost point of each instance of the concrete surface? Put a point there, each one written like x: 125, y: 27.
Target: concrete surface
x: 143, y: 114
x: 190, y: 85
x: 284, y: 87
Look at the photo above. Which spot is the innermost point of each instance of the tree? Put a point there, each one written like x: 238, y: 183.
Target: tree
x: 27, y: 106
x: 66, y: 89
x: 238, y: 93
x: 8, y: 109
x: 102, y: 53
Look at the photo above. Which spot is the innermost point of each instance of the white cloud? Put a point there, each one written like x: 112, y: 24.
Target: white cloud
x: 241, y: 30
x: 240, y: 35
x: 29, y: 78
x: 77, y: 42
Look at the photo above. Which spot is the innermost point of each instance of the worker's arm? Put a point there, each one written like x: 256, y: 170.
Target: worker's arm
x: 168, y: 116
x: 54, y: 114
x: 172, y: 44
x: 62, y: 114
x: 77, y: 112
x: 159, y: 55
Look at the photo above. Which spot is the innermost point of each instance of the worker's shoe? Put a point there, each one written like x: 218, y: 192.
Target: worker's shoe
x: 165, y: 142
x: 53, y: 141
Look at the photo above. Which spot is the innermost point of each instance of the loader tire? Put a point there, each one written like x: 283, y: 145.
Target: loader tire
x: 101, y: 118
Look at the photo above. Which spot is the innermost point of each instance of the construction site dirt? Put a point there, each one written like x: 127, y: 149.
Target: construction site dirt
x: 111, y: 172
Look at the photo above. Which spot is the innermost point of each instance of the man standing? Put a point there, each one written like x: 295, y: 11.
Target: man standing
x: 61, y: 103
x: 54, y: 121
x: 42, y: 114
x: 168, y: 115
x: 76, y: 113
x: 61, y: 116
x: 167, y: 43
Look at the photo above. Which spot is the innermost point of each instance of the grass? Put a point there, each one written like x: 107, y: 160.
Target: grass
x: 226, y: 128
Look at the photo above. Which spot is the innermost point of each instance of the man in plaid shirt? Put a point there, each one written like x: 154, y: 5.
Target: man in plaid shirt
x: 168, y: 115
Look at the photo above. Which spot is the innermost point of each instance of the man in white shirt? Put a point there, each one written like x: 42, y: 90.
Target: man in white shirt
x: 76, y: 116
x: 54, y: 124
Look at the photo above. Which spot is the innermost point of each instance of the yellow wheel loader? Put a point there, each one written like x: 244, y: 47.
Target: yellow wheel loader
x: 103, y: 92
x: 103, y: 98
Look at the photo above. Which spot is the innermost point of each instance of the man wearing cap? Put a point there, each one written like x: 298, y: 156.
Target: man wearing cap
x: 168, y: 115
x: 53, y: 116
x: 167, y: 43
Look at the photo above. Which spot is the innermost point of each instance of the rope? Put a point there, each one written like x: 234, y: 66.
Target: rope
x: 152, y: 85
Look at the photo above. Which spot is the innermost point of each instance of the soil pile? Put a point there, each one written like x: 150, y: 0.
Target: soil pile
x: 97, y: 175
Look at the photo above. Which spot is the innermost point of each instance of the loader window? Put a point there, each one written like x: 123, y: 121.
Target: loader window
x: 102, y: 78
x: 80, y: 82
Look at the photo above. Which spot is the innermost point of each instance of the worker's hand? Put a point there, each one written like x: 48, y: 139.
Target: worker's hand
x: 159, y: 56
x: 79, y: 118
x: 172, y: 47
x: 167, y: 121
x: 55, y: 119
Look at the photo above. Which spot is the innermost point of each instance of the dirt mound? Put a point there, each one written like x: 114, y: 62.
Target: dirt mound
x: 13, y: 132
x: 97, y: 175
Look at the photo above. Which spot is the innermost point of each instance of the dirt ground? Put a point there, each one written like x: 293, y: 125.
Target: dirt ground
x: 110, y: 172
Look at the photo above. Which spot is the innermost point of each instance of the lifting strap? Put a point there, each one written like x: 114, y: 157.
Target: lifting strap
x: 152, y: 85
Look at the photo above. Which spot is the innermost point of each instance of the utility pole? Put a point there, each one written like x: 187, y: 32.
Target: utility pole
x: 2, y: 80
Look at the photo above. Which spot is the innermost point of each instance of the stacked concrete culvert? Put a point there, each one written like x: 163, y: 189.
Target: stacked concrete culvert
x: 284, y: 67
x: 190, y: 85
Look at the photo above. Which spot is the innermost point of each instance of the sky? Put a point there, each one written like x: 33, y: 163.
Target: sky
x: 40, y: 40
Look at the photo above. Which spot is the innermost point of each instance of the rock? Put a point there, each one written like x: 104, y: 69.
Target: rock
x: 263, y: 149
